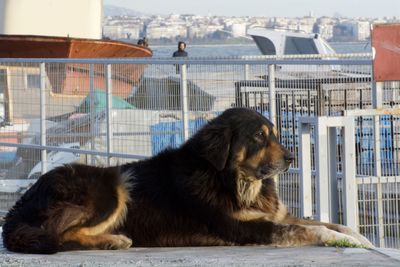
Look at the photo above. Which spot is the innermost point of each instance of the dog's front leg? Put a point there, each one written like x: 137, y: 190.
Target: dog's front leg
x: 282, y: 235
x: 336, y: 227
x: 301, y: 235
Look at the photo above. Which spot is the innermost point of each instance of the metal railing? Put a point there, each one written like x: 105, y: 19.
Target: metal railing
x: 109, y: 111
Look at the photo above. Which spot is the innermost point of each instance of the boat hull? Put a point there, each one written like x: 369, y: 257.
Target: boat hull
x: 74, y: 79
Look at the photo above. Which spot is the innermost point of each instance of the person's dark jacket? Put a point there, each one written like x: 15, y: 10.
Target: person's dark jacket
x: 180, y: 53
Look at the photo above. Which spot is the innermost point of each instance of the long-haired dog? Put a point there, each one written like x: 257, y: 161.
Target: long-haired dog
x: 216, y: 189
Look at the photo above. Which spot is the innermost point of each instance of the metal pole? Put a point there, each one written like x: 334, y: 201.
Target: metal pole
x: 92, y: 111
x: 246, y: 71
x: 272, y: 99
x: 350, y: 205
x: 184, y: 102
x: 305, y: 167
x: 43, y: 152
x: 109, y: 104
x: 322, y: 170
x: 377, y: 92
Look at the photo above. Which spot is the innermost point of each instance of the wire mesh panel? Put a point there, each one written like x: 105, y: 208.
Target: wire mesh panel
x: 112, y: 111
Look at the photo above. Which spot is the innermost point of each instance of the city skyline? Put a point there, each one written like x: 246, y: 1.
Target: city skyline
x: 354, y: 8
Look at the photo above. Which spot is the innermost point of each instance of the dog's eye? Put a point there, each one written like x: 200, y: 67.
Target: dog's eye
x: 259, y: 134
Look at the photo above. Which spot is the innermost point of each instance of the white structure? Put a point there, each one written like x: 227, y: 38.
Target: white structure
x: 281, y: 42
x: 73, y: 18
x: 362, y: 30
x: 238, y: 29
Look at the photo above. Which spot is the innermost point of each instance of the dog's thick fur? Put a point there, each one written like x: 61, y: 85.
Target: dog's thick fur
x: 216, y: 189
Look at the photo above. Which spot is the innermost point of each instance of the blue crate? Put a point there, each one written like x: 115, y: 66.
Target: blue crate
x: 170, y: 134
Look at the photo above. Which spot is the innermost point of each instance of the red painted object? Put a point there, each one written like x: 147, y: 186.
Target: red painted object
x: 386, y: 43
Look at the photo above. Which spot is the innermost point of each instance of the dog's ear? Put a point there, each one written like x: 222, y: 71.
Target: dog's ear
x: 215, y: 144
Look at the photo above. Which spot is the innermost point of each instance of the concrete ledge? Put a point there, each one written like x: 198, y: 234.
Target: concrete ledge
x: 211, y: 256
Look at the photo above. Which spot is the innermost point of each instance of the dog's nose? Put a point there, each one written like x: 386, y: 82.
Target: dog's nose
x: 289, y: 157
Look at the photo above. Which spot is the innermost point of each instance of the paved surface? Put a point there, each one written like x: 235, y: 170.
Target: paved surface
x: 211, y: 256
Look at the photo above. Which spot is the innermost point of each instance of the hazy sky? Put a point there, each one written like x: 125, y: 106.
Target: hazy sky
x: 267, y: 8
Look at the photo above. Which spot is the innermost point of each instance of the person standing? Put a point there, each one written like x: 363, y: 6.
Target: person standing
x: 181, y: 50
x: 180, y: 53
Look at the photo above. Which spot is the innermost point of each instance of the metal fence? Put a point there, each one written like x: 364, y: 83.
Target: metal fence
x: 102, y: 111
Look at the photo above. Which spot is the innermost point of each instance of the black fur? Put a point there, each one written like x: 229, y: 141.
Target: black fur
x: 180, y: 197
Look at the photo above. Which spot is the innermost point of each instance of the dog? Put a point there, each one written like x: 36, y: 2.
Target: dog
x: 217, y: 189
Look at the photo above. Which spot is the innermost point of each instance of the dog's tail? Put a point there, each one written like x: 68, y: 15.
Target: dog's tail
x: 23, y: 235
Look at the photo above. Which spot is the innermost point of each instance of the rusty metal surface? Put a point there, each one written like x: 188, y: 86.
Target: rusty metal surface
x: 386, y: 42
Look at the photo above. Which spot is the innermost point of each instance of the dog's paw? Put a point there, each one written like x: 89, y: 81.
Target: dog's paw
x: 348, y: 231
x: 329, y: 237
x: 119, y: 242
x: 124, y: 242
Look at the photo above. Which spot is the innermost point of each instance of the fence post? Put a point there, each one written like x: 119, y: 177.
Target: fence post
x: 43, y: 152
x: 272, y: 97
x: 333, y: 184
x: 92, y: 112
x: 350, y: 189
x: 322, y: 170
x: 109, y: 104
x: 184, y: 102
x: 377, y: 92
x: 305, y: 167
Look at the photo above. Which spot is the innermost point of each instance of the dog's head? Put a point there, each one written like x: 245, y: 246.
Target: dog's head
x: 245, y: 141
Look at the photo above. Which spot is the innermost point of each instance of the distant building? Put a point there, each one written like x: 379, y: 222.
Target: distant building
x: 198, y: 27
x: 131, y: 32
x: 344, y: 32
x: 166, y: 31
x: 203, y: 31
x: 362, y: 30
x: 113, y: 31
x: 324, y: 26
x: 352, y: 31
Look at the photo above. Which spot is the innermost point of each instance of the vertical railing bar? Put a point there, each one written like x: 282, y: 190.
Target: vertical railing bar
x: 184, y: 102
x: 109, y: 104
x: 377, y: 90
x: 305, y: 167
x: 92, y: 112
x: 43, y: 152
x: 322, y: 172
x: 272, y: 93
x: 350, y: 187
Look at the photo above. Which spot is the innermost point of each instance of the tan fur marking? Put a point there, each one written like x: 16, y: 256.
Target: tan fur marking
x: 281, y: 213
x: 241, y: 155
x: 275, y: 152
x: 113, y: 221
x: 116, y: 218
x: 248, y: 215
x: 101, y: 241
x: 248, y: 190
x: 265, y: 129
x: 255, y: 160
x: 275, y: 131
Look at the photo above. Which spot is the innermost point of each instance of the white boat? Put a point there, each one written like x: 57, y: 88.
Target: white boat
x: 283, y: 42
